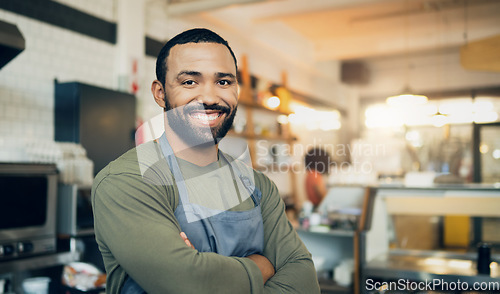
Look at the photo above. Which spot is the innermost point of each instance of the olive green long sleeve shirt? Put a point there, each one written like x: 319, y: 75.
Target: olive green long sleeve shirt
x: 134, y: 199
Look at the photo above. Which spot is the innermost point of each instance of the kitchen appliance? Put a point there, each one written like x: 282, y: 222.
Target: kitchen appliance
x: 11, y: 43
x: 27, y: 209
x: 101, y: 120
x: 74, y: 211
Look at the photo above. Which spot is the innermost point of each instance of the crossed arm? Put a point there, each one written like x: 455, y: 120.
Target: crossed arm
x: 138, y: 236
x: 265, y: 266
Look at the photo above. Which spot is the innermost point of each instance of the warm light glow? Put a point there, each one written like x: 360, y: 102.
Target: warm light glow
x: 485, y: 117
x: 454, y: 263
x: 496, y: 153
x: 451, y: 111
x: 426, y: 109
x: 413, y: 137
x: 463, y: 264
x: 494, y: 265
x: 484, y: 148
x: 311, y: 126
x: 419, y: 114
x: 464, y: 118
x: 455, y: 107
x: 439, y: 120
x: 273, y: 102
x: 482, y: 106
x: 434, y: 261
x: 295, y: 105
x: 315, y: 119
x: 328, y: 125
x: 282, y: 119
x: 381, y: 116
x: 406, y: 100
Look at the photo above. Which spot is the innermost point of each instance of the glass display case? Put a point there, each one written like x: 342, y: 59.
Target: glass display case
x: 432, y: 234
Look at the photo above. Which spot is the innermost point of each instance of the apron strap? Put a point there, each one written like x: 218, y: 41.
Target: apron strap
x: 174, y: 168
x: 247, y: 183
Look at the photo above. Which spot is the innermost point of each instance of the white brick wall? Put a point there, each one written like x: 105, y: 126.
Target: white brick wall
x: 27, y: 82
x: 147, y: 107
x: 104, y: 9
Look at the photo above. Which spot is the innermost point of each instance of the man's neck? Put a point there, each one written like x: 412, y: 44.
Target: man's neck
x: 200, y: 155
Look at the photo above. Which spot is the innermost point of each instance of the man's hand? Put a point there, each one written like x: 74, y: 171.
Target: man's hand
x: 265, y: 266
x: 186, y: 240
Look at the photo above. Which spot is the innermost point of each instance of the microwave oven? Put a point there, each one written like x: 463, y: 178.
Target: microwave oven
x: 27, y: 209
x: 74, y: 211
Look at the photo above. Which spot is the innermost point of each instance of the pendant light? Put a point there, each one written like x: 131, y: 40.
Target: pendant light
x: 406, y: 97
x: 439, y: 119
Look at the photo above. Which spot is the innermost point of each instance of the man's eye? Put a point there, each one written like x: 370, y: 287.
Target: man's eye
x: 189, y: 82
x: 224, y: 82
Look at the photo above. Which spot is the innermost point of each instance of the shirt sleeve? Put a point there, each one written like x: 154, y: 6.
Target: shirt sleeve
x: 138, y: 234
x: 295, y: 272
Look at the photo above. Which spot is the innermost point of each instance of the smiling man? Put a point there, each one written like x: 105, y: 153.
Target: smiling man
x: 177, y: 215
x: 200, y: 94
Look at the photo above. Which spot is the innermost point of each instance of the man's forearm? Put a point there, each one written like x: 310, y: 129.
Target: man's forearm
x: 265, y: 266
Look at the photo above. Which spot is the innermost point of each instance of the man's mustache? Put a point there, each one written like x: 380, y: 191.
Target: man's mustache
x: 203, y: 106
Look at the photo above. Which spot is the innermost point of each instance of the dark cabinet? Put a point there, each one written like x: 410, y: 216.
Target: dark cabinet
x: 100, y: 119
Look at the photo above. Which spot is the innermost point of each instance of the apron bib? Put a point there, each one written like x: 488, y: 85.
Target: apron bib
x: 228, y: 233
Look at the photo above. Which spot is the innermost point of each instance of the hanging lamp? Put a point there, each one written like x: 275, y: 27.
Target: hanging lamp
x: 406, y: 97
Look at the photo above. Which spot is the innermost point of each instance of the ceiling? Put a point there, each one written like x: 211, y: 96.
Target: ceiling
x: 356, y: 29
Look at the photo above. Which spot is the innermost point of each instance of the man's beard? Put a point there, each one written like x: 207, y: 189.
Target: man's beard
x: 179, y: 120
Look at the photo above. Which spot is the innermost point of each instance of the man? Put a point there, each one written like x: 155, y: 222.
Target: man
x: 180, y: 189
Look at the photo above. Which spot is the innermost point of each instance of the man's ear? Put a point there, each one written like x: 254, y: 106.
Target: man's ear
x: 159, y: 93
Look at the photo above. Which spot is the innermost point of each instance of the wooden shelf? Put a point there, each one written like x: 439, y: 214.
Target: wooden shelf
x: 246, y: 100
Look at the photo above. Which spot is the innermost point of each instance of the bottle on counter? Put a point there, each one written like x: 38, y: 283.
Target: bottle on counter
x: 483, y: 258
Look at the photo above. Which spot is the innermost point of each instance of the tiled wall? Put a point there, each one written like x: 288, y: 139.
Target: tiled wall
x: 105, y: 9
x: 147, y: 107
x: 27, y: 82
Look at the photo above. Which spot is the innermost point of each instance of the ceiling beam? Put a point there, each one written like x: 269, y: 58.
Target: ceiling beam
x: 298, y: 8
x: 196, y: 6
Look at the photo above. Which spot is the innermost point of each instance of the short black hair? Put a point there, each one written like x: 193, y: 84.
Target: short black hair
x: 198, y: 35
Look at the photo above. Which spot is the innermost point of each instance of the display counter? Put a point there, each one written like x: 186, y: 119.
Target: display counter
x: 425, y: 233
x: 414, y: 233
x: 332, y: 235
x: 421, y: 265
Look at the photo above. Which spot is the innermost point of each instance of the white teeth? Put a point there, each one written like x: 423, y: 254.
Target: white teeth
x: 206, y: 117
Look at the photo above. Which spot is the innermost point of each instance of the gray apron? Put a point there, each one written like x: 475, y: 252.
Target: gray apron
x: 228, y: 233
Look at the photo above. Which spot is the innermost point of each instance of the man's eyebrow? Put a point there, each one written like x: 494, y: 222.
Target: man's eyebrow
x: 188, y: 73
x: 224, y: 75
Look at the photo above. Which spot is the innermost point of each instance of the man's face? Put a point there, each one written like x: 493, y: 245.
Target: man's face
x: 201, y: 92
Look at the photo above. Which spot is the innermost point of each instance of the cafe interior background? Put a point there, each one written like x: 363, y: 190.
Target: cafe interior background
x: 413, y: 173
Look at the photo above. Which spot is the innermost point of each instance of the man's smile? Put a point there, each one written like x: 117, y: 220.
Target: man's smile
x: 207, y: 117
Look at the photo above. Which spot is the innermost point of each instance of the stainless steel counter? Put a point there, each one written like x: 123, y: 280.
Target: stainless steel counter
x: 426, y: 265
x: 37, y: 262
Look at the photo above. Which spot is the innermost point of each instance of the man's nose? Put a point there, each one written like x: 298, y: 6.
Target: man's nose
x: 209, y: 95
